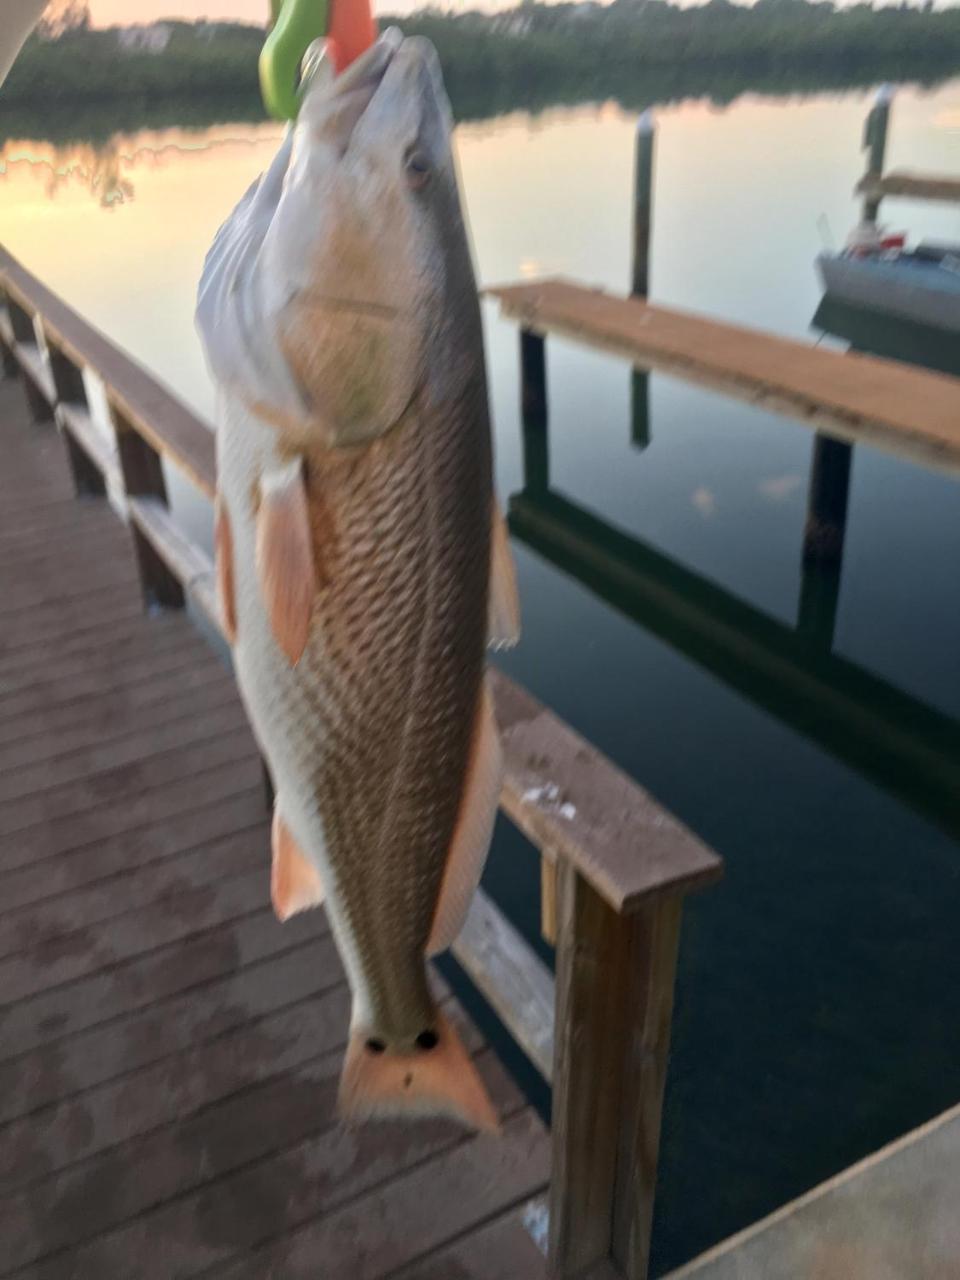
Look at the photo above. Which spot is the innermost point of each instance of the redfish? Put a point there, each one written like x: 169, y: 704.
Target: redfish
x: 363, y: 564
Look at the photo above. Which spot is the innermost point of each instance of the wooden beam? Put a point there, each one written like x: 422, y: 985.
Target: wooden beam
x: 615, y: 980
x: 909, y: 412
x: 941, y: 187
x: 511, y: 977
x: 170, y: 427
x: 577, y: 806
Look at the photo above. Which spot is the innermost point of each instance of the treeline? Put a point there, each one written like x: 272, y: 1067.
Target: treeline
x: 536, y: 52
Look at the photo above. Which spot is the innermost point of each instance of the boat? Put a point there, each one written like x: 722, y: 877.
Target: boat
x: 921, y: 284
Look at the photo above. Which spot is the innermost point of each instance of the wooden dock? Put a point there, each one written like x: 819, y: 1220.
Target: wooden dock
x: 169, y: 1052
x: 910, y: 412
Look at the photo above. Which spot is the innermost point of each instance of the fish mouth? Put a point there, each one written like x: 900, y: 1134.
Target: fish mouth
x: 340, y: 103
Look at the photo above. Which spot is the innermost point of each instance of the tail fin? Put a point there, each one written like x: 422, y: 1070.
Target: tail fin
x: 422, y: 1082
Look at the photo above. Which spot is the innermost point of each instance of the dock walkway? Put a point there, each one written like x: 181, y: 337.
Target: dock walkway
x: 910, y: 412
x: 169, y: 1054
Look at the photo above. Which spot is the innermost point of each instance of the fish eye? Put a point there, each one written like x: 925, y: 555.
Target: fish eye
x: 375, y: 1046
x: 417, y: 169
x: 427, y: 1040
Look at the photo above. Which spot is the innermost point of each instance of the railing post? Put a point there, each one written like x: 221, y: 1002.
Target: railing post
x: 142, y: 469
x: 88, y: 480
x: 614, y: 993
x: 875, y: 143
x: 21, y: 322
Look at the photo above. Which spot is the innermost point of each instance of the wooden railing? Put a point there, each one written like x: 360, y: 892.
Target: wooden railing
x: 615, y: 865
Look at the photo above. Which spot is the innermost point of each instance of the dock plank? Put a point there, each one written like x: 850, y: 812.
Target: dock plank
x: 170, y: 1054
x: 941, y: 187
x: 907, y: 411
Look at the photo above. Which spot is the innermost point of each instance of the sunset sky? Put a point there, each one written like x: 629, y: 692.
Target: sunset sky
x: 107, y: 12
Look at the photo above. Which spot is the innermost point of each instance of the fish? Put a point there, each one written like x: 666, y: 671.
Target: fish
x: 363, y: 564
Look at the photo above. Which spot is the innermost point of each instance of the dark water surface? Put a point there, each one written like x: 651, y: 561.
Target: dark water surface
x: 807, y: 728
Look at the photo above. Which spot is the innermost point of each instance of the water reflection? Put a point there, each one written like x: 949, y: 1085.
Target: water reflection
x: 888, y: 735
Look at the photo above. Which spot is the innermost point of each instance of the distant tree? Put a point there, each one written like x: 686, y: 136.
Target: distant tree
x: 63, y: 17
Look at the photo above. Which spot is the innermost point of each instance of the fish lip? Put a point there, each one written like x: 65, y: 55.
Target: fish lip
x: 353, y: 306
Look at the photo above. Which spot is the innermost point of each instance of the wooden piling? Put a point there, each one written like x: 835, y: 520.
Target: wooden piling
x: 643, y: 204
x: 533, y: 379
x: 827, y: 501
x: 875, y: 144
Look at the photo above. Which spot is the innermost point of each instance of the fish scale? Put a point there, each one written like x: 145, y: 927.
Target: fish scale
x: 369, y: 707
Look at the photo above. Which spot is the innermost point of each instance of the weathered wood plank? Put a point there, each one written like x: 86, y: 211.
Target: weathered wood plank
x: 53, y: 729
x: 86, y: 651
x: 435, y: 1202
x: 181, y: 966
x: 222, y: 737
x: 97, y: 1194
x: 499, y: 1250
x: 914, y: 186
x: 615, y: 981
x: 75, y: 779
x: 232, y: 853
x: 165, y: 1028
x: 60, y: 681
x: 575, y: 804
x: 213, y: 774
x: 315, y: 1176
x: 168, y: 1092
x: 226, y: 807
x: 74, y: 953
x: 907, y: 411
x: 512, y: 978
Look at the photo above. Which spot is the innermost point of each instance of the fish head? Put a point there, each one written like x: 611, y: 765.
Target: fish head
x: 367, y: 240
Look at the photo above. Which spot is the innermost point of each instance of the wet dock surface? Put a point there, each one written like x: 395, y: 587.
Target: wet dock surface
x: 169, y: 1054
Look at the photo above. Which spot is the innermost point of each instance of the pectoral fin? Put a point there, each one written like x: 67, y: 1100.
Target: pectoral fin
x: 471, y: 839
x: 504, y: 604
x: 295, y: 883
x: 223, y: 547
x: 285, y: 557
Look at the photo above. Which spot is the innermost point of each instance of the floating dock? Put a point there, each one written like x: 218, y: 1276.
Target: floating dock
x: 910, y: 412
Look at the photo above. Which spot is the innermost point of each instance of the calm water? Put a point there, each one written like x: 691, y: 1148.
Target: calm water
x: 816, y: 1012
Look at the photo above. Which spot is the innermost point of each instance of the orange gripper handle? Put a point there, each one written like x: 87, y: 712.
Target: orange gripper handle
x: 350, y: 32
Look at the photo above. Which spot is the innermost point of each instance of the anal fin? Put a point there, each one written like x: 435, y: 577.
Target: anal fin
x: 285, y: 556
x: 503, y: 626
x: 471, y: 838
x: 295, y: 883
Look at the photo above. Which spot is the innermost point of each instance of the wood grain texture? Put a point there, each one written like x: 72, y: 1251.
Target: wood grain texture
x: 169, y: 1055
x: 577, y: 806
x: 915, y: 186
x: 907, y: 411
x: 615, y: 982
